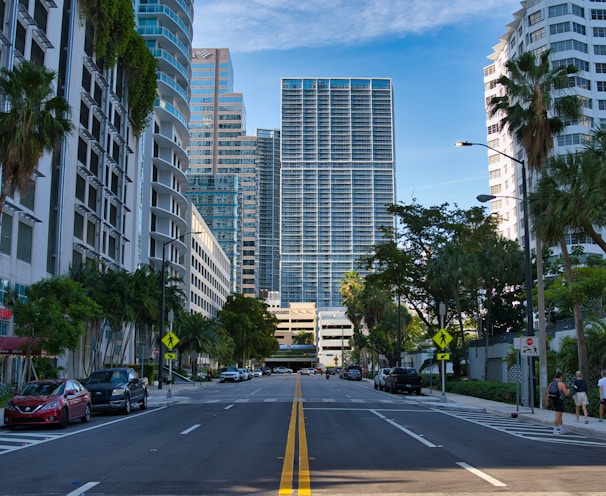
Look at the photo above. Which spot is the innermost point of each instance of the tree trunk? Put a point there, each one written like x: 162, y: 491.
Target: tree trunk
x: 598, y: 239
x: 543, y: 378
x: 578, y: 314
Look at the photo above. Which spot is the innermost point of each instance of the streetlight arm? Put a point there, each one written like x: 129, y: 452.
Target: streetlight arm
x: 467, y: 143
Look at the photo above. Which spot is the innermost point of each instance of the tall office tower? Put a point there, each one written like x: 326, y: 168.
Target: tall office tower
x: 81, y: 203
x: 576, y: 34
x: 167, y: 30
x: 220, y: 155
x: 338, y: 171
x: 268, y: 180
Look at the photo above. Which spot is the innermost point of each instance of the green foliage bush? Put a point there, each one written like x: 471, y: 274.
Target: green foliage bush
x: 496, y: 391
x: 5, y: 395
x: 117, y: 40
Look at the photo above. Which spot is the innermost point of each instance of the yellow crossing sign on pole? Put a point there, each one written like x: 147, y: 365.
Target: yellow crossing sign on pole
x: 442, y: 338
x: 170, y: 356
x: 170, y: 340
x: 443, y: 356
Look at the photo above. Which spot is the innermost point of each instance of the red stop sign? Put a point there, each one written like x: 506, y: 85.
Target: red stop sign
x: 529, y: 341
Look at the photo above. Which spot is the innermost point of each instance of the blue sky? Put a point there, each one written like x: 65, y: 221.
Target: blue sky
x: 434, y: 51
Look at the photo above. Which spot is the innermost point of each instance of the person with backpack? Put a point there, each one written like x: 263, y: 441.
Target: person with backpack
x: 555, y: 397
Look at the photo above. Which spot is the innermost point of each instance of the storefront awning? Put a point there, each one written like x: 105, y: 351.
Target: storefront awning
x: 18, y: 345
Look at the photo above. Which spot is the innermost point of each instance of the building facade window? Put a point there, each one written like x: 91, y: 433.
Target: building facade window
x: 24, y: 242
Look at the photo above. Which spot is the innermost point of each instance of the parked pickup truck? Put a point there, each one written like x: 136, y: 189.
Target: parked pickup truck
x: 403, y: 379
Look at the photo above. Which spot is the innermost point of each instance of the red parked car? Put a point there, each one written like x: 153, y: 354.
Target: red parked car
x: 49, y: 401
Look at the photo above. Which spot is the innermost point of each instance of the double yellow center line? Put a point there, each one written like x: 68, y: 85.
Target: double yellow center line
x: 288, y: 468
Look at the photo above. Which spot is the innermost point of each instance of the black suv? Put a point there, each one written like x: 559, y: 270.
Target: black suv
x: 116, y: 389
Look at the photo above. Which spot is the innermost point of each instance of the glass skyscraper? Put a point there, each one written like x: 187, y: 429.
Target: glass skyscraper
x: 268, y: 195
x: 220, y: 150
x: 337, y: 179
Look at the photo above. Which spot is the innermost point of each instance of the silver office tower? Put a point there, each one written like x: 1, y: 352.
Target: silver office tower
x: 337, y: 179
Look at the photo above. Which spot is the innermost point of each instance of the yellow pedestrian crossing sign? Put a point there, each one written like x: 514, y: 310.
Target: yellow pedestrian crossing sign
x: 443, y: 356
x: 442, y: 338
x: 170, y: 356
x: 170, y: 340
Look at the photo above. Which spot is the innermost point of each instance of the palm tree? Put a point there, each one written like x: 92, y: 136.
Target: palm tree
x: 34, y: 122
x: 535, y: 106
x: 198, y: 335
x: 570, y: 198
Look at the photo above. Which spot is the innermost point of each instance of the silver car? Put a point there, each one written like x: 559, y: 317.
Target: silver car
x: 380, y: 378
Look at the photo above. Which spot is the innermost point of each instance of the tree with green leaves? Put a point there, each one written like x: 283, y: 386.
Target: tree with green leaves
x: 303, y: 337
x: 251, y: 327
x: 535, y: 105
x: 55, y: 314
x: 562, y: 203
x: 198, y: 335
x: 35, y: 122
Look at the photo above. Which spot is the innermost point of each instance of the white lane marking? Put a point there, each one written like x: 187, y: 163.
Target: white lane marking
x: 228, y: 407
x: 83, y: 489
x: 192, y: 428
x: 255, y: 391
x: 405, y: 430
x: 270, y: 400
x: 481, y: 475
x: 328, y: 400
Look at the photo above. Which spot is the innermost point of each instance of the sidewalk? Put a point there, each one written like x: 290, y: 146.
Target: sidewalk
x: 541, y: 416
x: 177, y: 393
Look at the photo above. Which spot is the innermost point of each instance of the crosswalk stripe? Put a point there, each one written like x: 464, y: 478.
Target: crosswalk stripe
x: 523, y: 429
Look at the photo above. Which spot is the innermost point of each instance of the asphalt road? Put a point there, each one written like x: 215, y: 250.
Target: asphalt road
x: 300, y: 435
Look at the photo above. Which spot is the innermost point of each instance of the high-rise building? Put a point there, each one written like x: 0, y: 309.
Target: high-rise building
x: 81, y: 203
x: 575, y: 32
x: 164, y: 216
x: 220, y: 154
x: 268, y: 181
x: 338, y: 172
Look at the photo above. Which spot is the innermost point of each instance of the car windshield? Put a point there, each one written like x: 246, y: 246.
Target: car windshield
x: 43, y: 389
x: 104, y: 376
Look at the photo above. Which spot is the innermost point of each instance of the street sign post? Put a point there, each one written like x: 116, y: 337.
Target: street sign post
x: 529, y: 346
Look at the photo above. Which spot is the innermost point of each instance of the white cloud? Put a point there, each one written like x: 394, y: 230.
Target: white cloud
x: 255, y: 25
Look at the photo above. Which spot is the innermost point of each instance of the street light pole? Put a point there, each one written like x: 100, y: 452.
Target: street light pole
x: 528, y: 261
x: 162, y: 305
x: 399, y: 347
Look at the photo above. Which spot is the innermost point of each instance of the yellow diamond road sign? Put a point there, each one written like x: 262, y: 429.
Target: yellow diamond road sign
x: 442, y: 338
x: 170, y: 340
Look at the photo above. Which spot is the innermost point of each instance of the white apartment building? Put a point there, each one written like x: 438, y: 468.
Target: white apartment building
x: 335, y: 332
x: 81, y: 203
x: 163, y: 209
x: 208, y: 268
x: 575, y: 32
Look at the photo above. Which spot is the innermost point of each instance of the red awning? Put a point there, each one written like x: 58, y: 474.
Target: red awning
x: 17, y: 345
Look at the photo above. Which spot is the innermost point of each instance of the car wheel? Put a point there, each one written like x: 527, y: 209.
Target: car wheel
x: 11, y: 427
x: 86, y: 418
x: 64, y: 418
x: 393, y: 390
x: 127, y: 405
x: 418, y: 392
x: 376, y: 387
x: 143, y: 404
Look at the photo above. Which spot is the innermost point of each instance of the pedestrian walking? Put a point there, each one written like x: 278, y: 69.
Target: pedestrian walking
x: 555, y: 397
x: 602, y: 388
x: 579, y: 388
